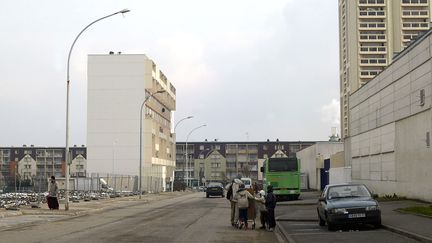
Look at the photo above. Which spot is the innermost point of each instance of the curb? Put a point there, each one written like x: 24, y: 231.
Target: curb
x: 296, y: 220
x: 296, y: 204
x: 283, y: 234
x: 407, y: 233
x: 10, y: 214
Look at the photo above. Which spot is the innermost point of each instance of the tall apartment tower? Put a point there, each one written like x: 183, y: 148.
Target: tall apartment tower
x: 371, y: 33
x: 117, y: 86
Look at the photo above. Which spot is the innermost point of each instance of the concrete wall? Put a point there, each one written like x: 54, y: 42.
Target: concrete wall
x: 414, y: 167
x: 337, y: 159
x: 388, y: 126
x: 311, y: 159
x: 340, y: 175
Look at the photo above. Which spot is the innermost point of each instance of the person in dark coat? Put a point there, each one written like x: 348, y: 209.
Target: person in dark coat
x: 52, y: 194
x: 270, y: 204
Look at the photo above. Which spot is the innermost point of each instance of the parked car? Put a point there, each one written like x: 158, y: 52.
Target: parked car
x: 214, y: 189
x: 343, y: 204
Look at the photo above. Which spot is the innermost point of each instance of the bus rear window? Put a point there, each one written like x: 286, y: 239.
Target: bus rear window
x: 282, y: 164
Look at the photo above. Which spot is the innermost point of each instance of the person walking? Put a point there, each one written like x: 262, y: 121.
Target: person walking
x: 232, y: 189
x: 52, y: 194
x: 261, y: 208
x: 270, y: 204
x: 242, y: 198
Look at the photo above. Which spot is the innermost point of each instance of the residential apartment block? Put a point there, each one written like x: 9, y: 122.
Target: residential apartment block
x: 225, y: 160
x: 29, y: 167
x: 371, y: 33
x: 118, y: 84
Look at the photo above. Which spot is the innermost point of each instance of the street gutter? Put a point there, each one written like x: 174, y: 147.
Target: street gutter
x: 407, y: 233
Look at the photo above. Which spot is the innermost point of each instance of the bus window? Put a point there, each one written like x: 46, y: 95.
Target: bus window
x: 282, y: 164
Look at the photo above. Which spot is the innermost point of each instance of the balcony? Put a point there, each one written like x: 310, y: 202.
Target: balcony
x: 371, y: 3
x: 408, y: 38
x: 369, y: 73
x: 372, y: 14
x: 372, y: 25
x: 415, y: 26
x: 373, y: 62
x: 373, y: 50
x: 415, y: 14
x: 408, y: 3
x: 372, y: 38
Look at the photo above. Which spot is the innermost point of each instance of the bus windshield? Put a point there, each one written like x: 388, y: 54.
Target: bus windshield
x: 282, y: 164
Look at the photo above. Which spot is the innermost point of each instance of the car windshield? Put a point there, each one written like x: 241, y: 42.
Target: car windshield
x: 214, y: 184
x: 347, y: 191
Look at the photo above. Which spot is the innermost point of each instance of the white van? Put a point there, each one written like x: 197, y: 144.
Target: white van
x: 247, y: 182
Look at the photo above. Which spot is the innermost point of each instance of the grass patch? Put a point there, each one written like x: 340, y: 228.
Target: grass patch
x: 393, y: 197
x: 422, y: 210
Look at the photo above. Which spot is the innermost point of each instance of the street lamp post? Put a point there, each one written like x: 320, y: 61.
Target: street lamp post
x: 187, y: 156
x: 140, y: 162
x: 67, y: 103
x: 175, y: 127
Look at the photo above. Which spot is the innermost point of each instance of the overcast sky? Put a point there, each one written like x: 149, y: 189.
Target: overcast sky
x: 249, y: 69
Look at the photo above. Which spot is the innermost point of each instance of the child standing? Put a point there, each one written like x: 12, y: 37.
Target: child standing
x: 241, y: 197
x: 261, y: 208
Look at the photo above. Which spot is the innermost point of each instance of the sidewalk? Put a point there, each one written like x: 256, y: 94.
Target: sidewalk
x: 27, y: 215
x: 413, y: 226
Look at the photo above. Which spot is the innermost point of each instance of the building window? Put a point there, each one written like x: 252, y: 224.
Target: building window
x: 215, y: 165
x: 201, y: 147
x: 217, y: 147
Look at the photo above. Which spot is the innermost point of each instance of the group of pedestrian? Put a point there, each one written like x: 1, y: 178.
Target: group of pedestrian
x: 239, y: 200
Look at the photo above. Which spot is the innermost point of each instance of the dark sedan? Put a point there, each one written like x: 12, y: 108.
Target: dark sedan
x: 214, y: 189
x: 344, y: 204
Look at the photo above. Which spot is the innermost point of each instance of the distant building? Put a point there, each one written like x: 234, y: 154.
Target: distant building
x: 29, y: 167
x: 371, y: 33
x: 242, y: 158
x: 389, y: 147
x: 210, y: 166
x: 117, y: 86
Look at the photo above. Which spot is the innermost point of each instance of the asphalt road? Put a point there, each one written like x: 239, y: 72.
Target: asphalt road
x: 300, y: 225
x: 190, y: 218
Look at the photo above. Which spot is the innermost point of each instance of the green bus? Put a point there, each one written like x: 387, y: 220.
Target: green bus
x: 284, y: 175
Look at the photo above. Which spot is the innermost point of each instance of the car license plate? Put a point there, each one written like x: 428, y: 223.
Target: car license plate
x: 356, y: 215
x: 214, y: 189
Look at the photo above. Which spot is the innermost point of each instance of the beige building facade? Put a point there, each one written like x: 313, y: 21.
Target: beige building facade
x: 211, y: 166
x: 371, y: 33
x: 117, y: 86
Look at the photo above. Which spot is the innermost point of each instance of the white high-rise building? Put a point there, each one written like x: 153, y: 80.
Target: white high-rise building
x: 117, y: 86
x: 371, y: 33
